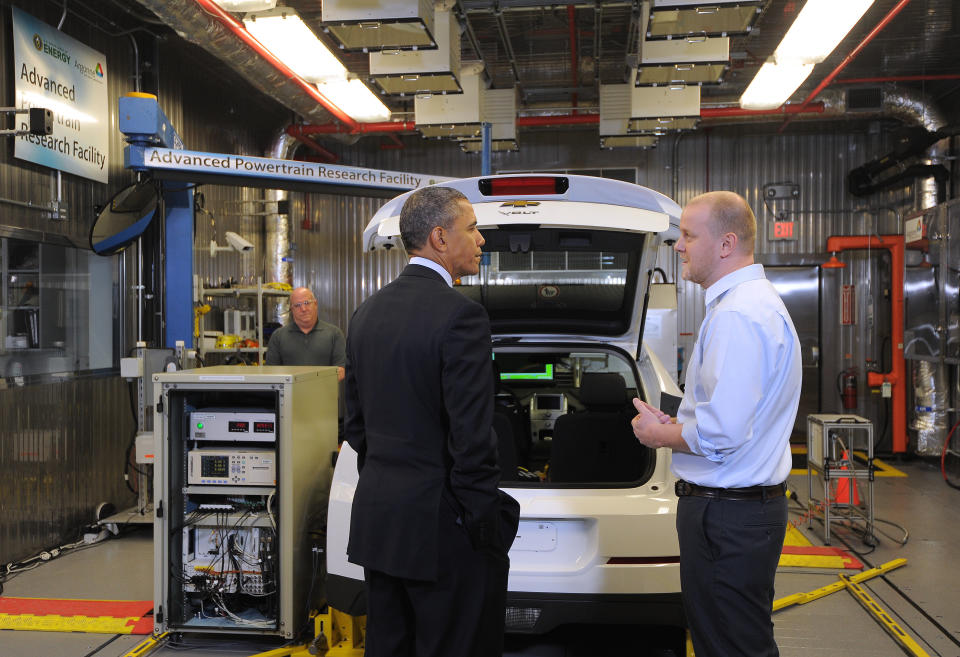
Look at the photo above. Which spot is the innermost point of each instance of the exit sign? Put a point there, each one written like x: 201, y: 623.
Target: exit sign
x: 783, y: 230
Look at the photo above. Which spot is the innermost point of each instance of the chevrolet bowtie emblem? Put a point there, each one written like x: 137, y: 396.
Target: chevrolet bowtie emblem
x: 520, y: 204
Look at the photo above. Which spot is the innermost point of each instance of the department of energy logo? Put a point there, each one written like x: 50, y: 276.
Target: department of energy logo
x: 37, y: 42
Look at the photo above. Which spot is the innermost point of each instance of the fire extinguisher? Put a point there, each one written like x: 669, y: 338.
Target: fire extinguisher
x: 848, y: 391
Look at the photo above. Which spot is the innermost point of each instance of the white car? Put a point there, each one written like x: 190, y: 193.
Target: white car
x: 567, y: 264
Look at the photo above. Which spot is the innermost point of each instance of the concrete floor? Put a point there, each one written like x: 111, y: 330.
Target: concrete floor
x: 919, y: 597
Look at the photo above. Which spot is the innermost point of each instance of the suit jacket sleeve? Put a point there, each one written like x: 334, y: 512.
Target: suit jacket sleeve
x: 354, y: 431
x: 466, y: 382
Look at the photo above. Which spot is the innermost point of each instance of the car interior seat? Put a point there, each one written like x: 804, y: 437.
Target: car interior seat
x: 511, y: 419
x: 506, y: 448
x: 597, y: 444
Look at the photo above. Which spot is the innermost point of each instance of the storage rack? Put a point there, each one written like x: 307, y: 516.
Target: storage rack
x: 260, y: 291
x: 833, y: 441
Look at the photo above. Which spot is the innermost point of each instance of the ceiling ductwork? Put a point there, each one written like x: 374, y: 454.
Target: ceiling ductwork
x: 376, y: 25
x: 202, y: 29
x: 422, y: 71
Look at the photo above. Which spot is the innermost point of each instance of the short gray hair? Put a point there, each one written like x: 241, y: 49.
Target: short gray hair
x: 426, y: 209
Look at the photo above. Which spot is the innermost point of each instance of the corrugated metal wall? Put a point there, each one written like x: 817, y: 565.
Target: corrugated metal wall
x: 62, y: 444
x: 61, y: 454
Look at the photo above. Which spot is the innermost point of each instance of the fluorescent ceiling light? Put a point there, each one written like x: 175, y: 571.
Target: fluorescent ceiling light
x: 282, y: 32
x: 774, y: 84
x: 817, y: 30
x: 243, y: 6
x: 354, y: 98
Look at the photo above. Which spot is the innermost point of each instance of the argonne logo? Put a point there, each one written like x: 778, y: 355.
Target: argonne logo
x: 99, y: 70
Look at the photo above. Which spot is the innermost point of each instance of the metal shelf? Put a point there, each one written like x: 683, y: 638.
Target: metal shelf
x: 259, y: 291
x: 207, y: 489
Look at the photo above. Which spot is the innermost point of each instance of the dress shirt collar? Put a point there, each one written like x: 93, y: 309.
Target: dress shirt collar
x: 733, y: 279
x: 435, y: 266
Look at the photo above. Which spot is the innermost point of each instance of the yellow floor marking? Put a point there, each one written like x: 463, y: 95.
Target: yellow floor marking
x: 816, y: 594
x: 832, y: 562
x: 795, y: 537
x: 881, y: 468
x: 54, y: 623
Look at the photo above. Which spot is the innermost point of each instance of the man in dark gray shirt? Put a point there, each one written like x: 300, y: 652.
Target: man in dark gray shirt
x: 305, y: 340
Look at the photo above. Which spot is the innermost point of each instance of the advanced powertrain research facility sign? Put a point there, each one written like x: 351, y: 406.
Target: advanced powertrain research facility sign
x: 59, y: 73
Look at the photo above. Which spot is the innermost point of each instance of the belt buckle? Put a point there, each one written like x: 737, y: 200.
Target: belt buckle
x: 682, y: 488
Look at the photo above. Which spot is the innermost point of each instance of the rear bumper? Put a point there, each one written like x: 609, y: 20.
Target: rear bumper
x: 555, y: 609
x: 615, y: 609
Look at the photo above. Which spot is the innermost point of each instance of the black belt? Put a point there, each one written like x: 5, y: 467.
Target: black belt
x: 684, y: 488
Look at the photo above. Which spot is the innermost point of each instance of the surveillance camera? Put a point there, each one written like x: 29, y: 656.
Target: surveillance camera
x: 238, y: 243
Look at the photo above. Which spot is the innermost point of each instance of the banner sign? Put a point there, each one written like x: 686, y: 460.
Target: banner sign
x: 267, y: 168
x: 59, y: 73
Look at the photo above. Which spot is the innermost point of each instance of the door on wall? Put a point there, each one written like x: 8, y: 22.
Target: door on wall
x: 799, y: 287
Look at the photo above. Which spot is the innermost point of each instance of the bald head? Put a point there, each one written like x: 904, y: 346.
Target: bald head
x: 730, y: 214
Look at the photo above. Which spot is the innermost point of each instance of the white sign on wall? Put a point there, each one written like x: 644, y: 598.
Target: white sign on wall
x: 55, y: 71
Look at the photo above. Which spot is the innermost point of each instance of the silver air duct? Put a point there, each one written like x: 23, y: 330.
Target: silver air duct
x: 196, y: 26
x: 279, y: 265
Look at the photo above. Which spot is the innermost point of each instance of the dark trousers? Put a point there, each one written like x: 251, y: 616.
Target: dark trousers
x: 729, y: 550
x: 461, y: 614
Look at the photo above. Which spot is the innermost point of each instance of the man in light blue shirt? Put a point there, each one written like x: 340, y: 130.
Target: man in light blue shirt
x: 731, y: 437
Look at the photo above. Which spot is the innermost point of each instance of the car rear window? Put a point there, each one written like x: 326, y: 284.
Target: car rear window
x: 562, y: 418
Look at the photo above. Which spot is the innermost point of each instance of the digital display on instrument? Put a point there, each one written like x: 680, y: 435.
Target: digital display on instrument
x: 263, y: 427
x: 550, y: 402
x: 214, y: 466
x: 236, y: 426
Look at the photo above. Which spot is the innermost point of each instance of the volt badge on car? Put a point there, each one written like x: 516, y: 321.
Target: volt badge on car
x: 519, y: 207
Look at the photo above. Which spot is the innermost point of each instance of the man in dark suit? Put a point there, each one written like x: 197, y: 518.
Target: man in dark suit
x: 427, y: 515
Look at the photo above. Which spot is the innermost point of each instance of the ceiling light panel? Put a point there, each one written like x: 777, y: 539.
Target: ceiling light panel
x: 774, y: 84
x: 281, y: 31
x: 372, y: 25
x: 356, y: 99
x: 409, y: 72
x: 818, y: 28
x: 243, y: 6
x: 681, y: 18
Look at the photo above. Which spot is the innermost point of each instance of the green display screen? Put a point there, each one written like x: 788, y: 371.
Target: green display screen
x: 546, y: 374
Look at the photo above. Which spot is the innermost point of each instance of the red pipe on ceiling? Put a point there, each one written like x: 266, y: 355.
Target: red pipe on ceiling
x: 237, y: 28
x: 362, y: 128
x: 574, y: 69
x: 723, y: 112
x: 853, y: 55
x: 326, y: 155
x: 300, y: 130
x: 899, y: 78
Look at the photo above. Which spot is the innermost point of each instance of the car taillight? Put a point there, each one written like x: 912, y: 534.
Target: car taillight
x: 524, y: 185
